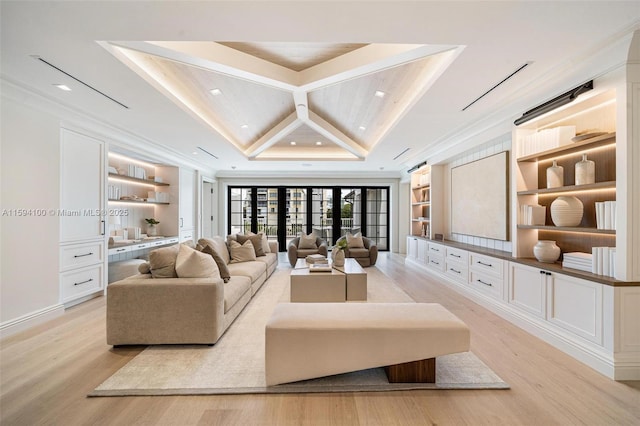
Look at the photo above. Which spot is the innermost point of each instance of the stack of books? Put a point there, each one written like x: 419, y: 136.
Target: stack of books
x: 578, y: 260
x: 606, y: 214
x: 604, y: 261
x: 313, y: 259
x: 532, y: 215
x: 546, y: 139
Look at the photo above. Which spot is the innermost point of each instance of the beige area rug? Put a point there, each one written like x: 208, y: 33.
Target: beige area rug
x: 235, y: 364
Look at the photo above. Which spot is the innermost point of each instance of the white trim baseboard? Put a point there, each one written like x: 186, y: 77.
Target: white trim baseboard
x: 13, y: 326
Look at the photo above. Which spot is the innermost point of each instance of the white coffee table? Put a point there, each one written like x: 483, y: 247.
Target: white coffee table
x: 343, y: 283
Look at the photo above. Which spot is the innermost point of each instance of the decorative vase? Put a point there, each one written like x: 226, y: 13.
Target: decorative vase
x: 555, y: 176
x: 585, y: 171
x: 337, y: 255
x: 566, y: 211
x: 546, y: 251
x: 152, y: 230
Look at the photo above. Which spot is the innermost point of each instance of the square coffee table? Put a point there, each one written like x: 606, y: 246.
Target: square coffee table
x: 356, y: 280
x: 309, y: 286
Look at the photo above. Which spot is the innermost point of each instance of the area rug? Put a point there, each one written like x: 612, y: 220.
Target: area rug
x: 235, y: 364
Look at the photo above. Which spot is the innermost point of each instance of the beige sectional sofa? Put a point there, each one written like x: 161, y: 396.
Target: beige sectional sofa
x: 142, y: 310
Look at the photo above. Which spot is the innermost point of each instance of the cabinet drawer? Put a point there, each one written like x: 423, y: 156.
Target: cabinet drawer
x: 436, y: 250
x: 486, y: 264
x: 458, y: 271
x: 118, y: 250
x: 436, y: 263
x: 79, y: 255
x: 457, y: 255
x: 81, y: 282
x: 186, y: 235
x: 487, y: 284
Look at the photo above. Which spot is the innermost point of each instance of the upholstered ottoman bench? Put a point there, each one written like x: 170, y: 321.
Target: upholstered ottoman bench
x: 310, y: 340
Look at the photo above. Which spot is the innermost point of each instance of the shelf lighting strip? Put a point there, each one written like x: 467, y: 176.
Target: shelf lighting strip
x: 131, y: 160
x: 599, y: 234
x: 131, y: 182
x: 586, y: 151
x: 576, y: 192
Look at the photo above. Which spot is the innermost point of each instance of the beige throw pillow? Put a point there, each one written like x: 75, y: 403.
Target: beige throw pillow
x: 191, y: 263
x: 307, y: 241
x: 222, y: 266
x: 241, y: 252
x: 355, y: 241
x: 265, y: 243
x: 256, y: 241
x: 219, y: 245
x: 162, y: 262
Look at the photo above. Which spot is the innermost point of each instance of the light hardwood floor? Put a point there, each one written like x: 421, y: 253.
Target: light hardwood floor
x: 46, y: 373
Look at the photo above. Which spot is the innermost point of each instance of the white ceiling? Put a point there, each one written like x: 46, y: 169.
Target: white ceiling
x: 306, y: 72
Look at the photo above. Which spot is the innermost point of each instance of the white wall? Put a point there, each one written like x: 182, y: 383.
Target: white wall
x: 30, y: 175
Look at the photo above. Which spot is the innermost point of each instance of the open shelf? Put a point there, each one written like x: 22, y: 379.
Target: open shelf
x: 138, y: 202
x: 570, y: 188
x: 598, y: 141
x: 137, y: 180
x: 422, y: 203
x: 569, y: 229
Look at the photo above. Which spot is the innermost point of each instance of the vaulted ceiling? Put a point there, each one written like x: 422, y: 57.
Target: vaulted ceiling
x: 305, y: 73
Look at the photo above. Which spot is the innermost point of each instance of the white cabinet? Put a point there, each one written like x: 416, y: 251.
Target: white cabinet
x: 423, y: 251
x: 187, y: 199
x: 457, y: 264
x: 412, y: 248
x: 82, y: 216
x: 436, y: 257
x: 486, y: 275
x: 81, y: 187
x: 528, y: 289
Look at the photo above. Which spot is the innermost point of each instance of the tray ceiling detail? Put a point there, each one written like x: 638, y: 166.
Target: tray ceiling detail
x: 291, y: 101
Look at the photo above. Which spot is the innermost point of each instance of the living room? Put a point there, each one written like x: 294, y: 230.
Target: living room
x: 462, y: 72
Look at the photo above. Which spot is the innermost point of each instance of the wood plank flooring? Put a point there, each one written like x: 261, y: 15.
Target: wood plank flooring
x: 46, y: 373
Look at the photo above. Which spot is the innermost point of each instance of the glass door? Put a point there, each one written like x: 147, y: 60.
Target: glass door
x: 322, y: 213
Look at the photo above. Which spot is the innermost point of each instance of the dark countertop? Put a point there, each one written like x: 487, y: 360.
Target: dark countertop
x: 551, y: 267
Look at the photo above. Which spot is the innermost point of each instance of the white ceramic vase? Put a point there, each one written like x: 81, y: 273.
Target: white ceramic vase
x: 566, y: 211
x: 555, y: 176
x: 152, y: 230
x: 337, y: 256
x: 546, y: 251
x: 585, y: 171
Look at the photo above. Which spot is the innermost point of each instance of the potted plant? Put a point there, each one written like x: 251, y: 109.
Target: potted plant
x: 152, y: 229
x: 337, y: 253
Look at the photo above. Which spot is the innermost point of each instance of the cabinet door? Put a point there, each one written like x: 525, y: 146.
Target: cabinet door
x: 187, y: 199
x: 412, y: 247
x: 576, y: 305
x: 422, y: 251
x: 81, y: 187
x: 527, y: 289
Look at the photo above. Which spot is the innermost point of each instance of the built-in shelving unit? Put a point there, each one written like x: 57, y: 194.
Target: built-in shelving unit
x: 597, y: 114
x: 136, y: 180
x: 421, y: 202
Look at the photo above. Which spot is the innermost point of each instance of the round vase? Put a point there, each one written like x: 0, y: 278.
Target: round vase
x: 152, y: 230
x: 585, y: 171
x: 337, y: 255
x: 555, y: 176
x: 546, y: 251
x: 566, y: 211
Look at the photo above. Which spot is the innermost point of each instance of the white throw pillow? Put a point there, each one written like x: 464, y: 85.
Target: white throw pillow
x: 191, y: 263
x: 355, y: 241
x: 241, y: 252
x: 307, y: 241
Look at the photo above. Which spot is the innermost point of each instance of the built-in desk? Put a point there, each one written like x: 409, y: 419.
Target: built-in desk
x: 135, y: 248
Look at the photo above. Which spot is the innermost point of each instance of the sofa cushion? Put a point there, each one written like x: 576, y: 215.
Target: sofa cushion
x: 219, y: 245
x: 222, y: 266
x: 307, y: 241
x: 234, y: 290
x: 191, y: 263
x: 162, y: 262
x: 358, y: 252
x: 355, y: 241
x: 265, y: 243
x: 253, y: 270
x: 306, y: 252
x: 256, y: 242
x: 241, y: 252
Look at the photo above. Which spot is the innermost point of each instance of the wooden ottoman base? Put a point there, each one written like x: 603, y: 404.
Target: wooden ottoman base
x: 423, y: 371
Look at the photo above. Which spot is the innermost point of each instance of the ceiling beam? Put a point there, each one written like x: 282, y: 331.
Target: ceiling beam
x: 330, y: 132
x: 279, y: 131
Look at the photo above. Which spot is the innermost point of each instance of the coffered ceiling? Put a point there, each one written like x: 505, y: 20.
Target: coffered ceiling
x: 141, y: 73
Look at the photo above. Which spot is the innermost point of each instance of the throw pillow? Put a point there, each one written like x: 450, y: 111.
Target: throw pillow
x: 355, y: 241
x: 144, y: 268
x: 307, y: 241
x: 162, y: 262
x: 256, y: 241
x: 191, y: 263
x: 265, y: 243
x: 222, y: 266
x: 219, y: 245
x: 241, y: 252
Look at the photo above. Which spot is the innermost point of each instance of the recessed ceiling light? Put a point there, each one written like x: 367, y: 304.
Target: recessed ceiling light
x: 244, y: 126
x: 381, y: 168
x: 362, y: 128
x: 63, y: 87
x: 379, y: 94
x: 292, y: 142
x: 195, y: 152
x: 215, y: 92
x: 318, y: 143
x: 233, y: 167
x: 306, y: 164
